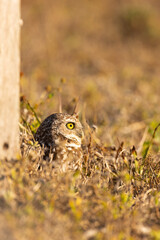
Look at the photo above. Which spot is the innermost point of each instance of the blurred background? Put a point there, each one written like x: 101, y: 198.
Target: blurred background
x: 106, y: 52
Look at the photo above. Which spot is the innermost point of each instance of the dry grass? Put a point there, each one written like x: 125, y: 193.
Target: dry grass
x: 116, y: 196
x: 108, y: 54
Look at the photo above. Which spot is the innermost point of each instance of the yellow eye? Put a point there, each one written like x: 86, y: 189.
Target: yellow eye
x: 70, y: 125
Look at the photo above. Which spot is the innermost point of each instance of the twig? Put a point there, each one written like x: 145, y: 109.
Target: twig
x: 151, y: 141
x: 31, y: 108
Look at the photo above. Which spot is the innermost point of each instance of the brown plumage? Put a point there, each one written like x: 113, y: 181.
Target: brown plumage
x: 61, y: 134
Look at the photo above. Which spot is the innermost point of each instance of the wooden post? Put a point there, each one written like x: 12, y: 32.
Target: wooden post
x: 9, y: 77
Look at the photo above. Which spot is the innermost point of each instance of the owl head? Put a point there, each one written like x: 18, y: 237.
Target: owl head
x: 60, y: 129
x: 69, y: 127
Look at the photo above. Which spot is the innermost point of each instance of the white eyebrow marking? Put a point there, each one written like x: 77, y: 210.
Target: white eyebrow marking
x: 74, y: 137
x: 71, y: 145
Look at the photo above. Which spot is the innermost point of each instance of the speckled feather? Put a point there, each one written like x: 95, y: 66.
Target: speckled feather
x: 61, y: 145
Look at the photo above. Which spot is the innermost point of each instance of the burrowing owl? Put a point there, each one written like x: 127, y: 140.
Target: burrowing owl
x: 61, y: 135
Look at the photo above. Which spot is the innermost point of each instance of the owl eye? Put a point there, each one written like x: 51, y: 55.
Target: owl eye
x: 70, y: 125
